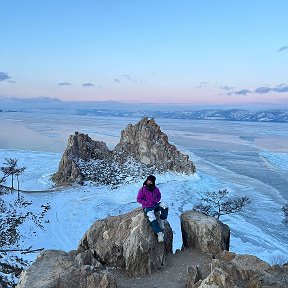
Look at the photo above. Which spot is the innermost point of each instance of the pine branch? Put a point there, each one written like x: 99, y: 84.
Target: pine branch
x: 23, y: 251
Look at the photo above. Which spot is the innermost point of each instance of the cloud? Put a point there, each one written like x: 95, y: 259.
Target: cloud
x: 282, y: 88
x: 128, y: 77
x: 226, y: 88
x: 64, y: 84
x: 4, y: 76
x: 88, y: 85
x: 202, y: 84
x: 283, y: 48
x: 262, y: 90
x: 124, y: 77
x: 241, y: 92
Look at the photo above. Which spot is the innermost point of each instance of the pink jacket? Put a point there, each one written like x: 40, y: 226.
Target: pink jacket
x: 148, y: 198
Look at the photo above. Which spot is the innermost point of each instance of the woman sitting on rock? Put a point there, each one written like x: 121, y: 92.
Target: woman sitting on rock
x: 149, y: 196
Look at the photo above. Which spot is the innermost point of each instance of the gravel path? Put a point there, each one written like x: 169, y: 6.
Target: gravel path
x: 172, y: 275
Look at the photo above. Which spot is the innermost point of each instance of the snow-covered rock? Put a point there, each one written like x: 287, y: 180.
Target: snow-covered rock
x: 146, y: 143
x: 79, y: 147
x: 143, y: 149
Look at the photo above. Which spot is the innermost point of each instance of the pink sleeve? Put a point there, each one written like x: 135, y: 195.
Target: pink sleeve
x: 140, y: 197
x: 158, y: 195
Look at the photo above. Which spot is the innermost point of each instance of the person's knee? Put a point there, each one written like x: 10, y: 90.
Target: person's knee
x: 164, y: 211
x: 163, y: 205
x: 151, y: 216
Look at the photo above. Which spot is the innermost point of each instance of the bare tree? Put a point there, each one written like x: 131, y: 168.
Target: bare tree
x: 18, y: 172
x: 2, y: 179
x: 217, y: 203
x: 10, y: 168
x: 12, y: 216
x: 285, y: 209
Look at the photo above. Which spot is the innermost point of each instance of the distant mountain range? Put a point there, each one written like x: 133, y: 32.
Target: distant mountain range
x: 275, y: 115
x: 271, y: 112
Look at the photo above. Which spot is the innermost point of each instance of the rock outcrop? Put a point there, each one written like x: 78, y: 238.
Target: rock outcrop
x: 143, y: 149
x: 204, y: 232
x: 55, y: 269
x: 127, y: 241
x: 239, y: 271
x: 80, y: 148
x: 126, y: 245
x: 146, y: 143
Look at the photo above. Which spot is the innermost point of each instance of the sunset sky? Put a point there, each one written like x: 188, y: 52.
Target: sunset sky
x: 157, y: 51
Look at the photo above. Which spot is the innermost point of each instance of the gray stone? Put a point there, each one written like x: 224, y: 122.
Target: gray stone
x: 56, y: 269
x: 204, y: 232
x: 245, y: 271
x: 127, y: 241
x: 193, y: 276
x: 87, y: 258
x: 218, y: 279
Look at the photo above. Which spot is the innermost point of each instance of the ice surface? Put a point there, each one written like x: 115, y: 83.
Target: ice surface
x: 277, y: 161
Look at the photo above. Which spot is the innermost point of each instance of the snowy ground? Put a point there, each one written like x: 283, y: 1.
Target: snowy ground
x: 235, y: 158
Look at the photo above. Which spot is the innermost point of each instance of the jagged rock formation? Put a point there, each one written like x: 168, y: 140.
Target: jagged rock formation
x: 143, y: 149
x: 80, y: 148
x: 205, y: 233
x: 239, y: 271
x: 127, y: 241
x: 146, y: 143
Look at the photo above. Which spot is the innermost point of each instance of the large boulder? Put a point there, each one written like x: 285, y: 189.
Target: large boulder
x: 204, y: 232
x: 58, y: 269
x: 127, y: 241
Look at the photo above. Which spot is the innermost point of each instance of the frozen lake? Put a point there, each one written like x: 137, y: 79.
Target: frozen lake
x: 246, y: 158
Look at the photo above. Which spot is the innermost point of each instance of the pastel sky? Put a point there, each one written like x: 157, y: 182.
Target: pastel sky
x: 161, y: 51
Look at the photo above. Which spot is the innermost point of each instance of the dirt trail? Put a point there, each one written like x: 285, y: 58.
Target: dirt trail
x: 53, y: 189
x: 172, y: 275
